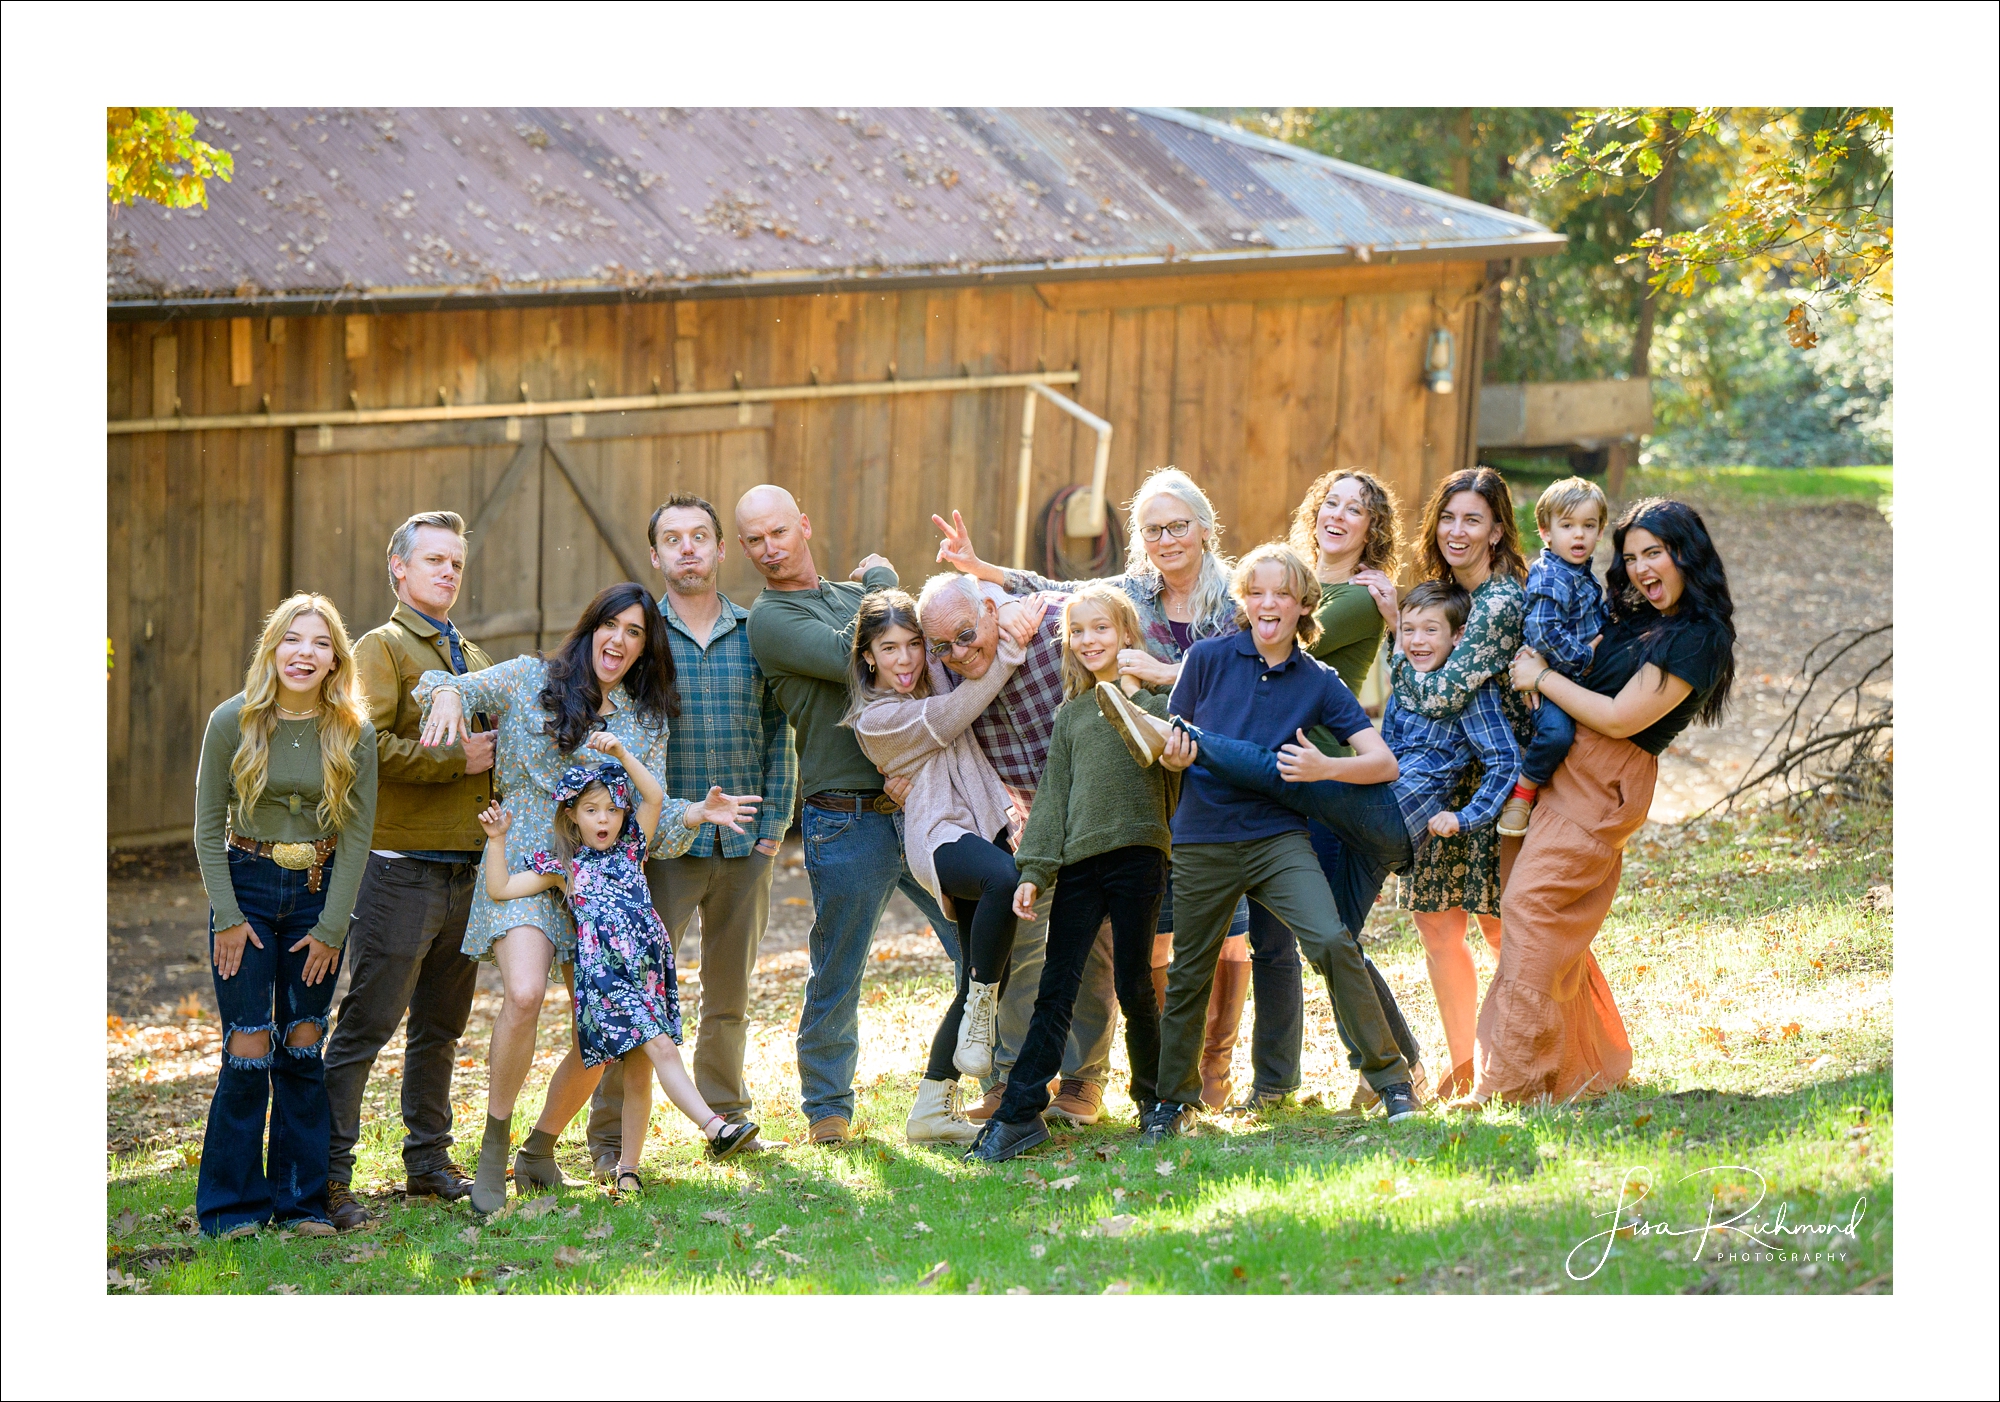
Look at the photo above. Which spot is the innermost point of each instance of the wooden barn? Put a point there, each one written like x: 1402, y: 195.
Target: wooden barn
x: 547, y: 320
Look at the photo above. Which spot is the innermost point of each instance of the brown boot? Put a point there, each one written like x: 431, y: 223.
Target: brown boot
x: 1225, y: 1015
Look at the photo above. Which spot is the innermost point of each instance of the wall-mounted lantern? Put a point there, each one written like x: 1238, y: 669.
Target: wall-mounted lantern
x: 1438, y: 357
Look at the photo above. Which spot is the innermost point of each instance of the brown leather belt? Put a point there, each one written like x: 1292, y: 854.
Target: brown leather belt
x: 308, y: 857
x: 840, y: 801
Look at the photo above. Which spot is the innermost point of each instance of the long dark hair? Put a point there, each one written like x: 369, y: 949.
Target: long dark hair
x: 572, y: 696
x: 879, y: 612
x: 1505, y: 557
x: 1705, y: 594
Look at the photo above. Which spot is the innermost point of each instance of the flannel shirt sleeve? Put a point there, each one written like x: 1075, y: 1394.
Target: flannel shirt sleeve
x: 1485, y: 726
x: 781, y: 765
x: 1550, y: 629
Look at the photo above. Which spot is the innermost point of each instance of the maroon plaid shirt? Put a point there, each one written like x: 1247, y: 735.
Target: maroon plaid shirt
x: 1014, y: 731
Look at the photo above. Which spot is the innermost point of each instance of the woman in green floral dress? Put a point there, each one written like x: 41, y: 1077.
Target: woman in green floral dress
x: 1468, y: 536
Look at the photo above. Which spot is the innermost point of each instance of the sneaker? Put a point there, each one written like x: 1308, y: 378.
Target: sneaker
x: 343, y: 1211
x: 1399, y: 1102
x: 1000, y: 1141
x: 1514, y: 814
x: 1166, y: 1120
x: 936, y: 1118
x: 1133, y: 725
x: 989, y: 1104
x: 1079, y: 1102
x: 1258, y: 1101
x: 974, y: 1056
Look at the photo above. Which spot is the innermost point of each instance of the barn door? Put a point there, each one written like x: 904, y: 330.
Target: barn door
x: 555, y: 508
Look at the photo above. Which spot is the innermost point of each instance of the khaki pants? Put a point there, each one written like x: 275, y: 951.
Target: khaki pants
x: 1283, y: 875
x: 733, y: 895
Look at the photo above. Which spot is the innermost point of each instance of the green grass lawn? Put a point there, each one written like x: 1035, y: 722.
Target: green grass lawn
x: 1749, y: 962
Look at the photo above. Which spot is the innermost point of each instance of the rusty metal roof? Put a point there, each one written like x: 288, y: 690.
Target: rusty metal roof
x: 449, y: 205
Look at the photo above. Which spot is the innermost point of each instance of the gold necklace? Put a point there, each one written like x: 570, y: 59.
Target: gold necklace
x: 284, y: 714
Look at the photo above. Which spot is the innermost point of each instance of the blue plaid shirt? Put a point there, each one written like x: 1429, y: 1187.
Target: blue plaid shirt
x: 1565, y: 611
x: 1431, y: 754
x: 731, y: 731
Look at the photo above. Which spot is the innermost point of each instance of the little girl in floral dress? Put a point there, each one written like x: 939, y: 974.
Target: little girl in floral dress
x: 627, y: 1003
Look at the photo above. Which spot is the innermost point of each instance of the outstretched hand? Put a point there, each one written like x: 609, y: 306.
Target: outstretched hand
x: 730, y: 811
x: 494, y: 820
x: 956, y: 547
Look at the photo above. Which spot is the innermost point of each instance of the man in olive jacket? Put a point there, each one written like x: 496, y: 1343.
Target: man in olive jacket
x: 403, y: 951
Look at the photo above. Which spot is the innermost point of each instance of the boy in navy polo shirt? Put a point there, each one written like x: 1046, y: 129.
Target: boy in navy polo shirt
x: 1261, y: 686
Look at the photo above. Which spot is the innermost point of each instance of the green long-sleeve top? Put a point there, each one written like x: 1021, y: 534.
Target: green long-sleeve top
x: 1093, y: 799
x: 1350, y: 629
x: 801, y: 639
x: 285, y: 812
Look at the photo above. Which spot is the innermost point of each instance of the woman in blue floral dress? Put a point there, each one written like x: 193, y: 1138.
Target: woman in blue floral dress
x: 627, y: 1005
x: 613, y: 673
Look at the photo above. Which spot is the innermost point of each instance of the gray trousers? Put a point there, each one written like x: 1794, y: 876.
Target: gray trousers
x: 733, y: 895
x: 403, y: 956
x: 1087, y: 1054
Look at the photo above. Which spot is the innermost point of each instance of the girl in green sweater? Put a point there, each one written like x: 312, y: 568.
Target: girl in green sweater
x: 1098, y: 833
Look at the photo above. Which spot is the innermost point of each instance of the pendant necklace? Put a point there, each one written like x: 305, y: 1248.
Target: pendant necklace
x: 284, y: 714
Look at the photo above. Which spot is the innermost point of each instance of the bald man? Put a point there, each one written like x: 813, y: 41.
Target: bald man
x: 801, y: 631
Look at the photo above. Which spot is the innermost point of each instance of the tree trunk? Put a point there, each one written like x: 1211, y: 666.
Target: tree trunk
x: 1461, y: 158
x: 1663, y: 194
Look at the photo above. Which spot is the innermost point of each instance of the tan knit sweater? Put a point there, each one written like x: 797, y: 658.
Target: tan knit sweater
x: 928, y: 740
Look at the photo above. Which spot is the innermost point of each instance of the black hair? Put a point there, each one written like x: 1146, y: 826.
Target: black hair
x: 675, y: 502
x: 1445, y: 594
x: 572, y: 696
x: 1705, y: 596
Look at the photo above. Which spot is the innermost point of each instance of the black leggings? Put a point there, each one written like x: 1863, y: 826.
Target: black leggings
x: 979, y: 877
x: 1125, y: 884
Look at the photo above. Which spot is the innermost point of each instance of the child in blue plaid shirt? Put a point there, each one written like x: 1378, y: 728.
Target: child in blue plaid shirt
x: 1565, y: 613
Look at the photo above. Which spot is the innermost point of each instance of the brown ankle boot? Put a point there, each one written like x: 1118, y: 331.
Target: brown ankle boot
x: 1225, y: 1015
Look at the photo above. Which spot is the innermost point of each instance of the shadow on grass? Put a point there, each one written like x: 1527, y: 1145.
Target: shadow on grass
x: 1303, y: 1202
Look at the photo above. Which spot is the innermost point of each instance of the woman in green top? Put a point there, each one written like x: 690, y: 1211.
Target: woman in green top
x: 1469, y: 536
x: 284, y: 809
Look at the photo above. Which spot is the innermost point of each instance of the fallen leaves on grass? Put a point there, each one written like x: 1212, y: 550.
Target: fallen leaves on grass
x: 599, y: 1233
x: 717, y: 1218
x: 1064, y: 1185
x: 368, y: 1251
x: 567, y: 1257
x: 1105, y: 1152
x: 1165, y: 1168
x: 1116, y: 1226
x: 1118, y: 1287
x: 934, y: 1274
x: 282, y: 1288
x: 470, y: 1236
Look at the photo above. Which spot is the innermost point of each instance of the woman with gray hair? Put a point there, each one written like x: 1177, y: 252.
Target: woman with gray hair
x: 1178, y: 579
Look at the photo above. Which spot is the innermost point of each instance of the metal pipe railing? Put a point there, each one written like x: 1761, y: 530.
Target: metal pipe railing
x: 1083, y: 517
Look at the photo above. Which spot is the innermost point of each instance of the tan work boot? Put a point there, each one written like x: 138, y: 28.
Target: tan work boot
x: 988, y: 1105
x: 1225, y: 1017
x: 936, y: 1118
x: 828, y: 1129
x: 974, y: 1055
x: 1079, y: 1102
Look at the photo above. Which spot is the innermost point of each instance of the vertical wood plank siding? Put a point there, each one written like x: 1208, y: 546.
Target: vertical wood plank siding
x: 1253, y: 393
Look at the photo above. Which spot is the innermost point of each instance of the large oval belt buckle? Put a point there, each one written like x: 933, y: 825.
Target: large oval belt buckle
x: 292, y: 856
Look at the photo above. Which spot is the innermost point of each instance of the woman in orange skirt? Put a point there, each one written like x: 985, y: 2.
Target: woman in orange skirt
x: 1549, y: 1027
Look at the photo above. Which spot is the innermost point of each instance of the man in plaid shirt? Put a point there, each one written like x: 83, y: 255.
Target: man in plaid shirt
x: 962, y: 625
x: 731, y: 732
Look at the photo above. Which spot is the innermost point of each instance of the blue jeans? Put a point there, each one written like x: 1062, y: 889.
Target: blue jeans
x: 1555, y: 732
x: 267, y: 995
x: 855, y: 863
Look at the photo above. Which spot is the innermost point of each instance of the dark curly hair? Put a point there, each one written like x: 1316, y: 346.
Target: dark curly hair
x: 1505, y: 557
x: 572, y: 696
x: 1705, y: 596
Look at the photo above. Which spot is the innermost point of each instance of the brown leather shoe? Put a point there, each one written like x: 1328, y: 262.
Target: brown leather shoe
x: 450, y: 1183
x: 829, y: 1129
x: 343, y: 1211
x: 1514, y: 815
x: 1225, y: 1016
x: 986, y: 1108
x: 1079, y: 1102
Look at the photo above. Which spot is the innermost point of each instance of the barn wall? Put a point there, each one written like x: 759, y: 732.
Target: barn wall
x: 1254, y: 383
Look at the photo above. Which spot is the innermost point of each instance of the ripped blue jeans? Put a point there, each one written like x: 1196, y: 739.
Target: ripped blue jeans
x: 238, y: 1182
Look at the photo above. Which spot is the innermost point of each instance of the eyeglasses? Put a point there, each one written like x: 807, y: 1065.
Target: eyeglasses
x: 965, y: 639
x: 1176, y: 529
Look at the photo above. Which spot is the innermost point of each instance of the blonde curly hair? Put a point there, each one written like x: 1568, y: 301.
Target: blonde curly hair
x: 342, y: 712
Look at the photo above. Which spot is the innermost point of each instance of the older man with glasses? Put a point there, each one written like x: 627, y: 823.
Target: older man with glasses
x: 961, y: 619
